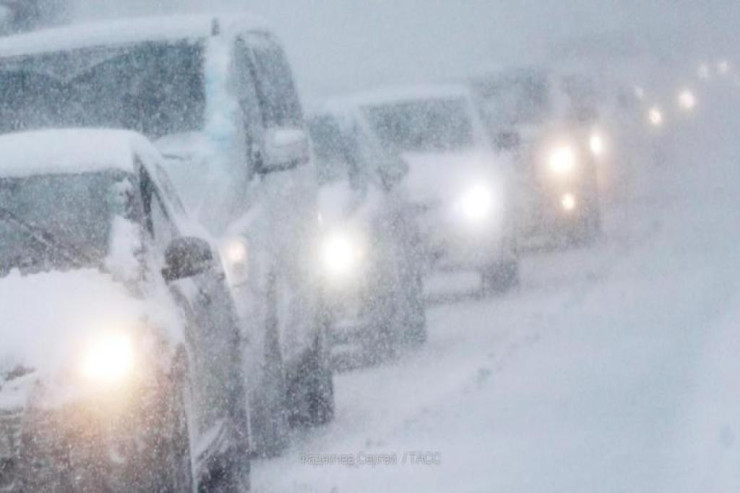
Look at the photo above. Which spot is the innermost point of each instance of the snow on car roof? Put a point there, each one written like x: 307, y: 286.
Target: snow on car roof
x: 69, y: 151
x: 396, y: 94
x: 128, y: 31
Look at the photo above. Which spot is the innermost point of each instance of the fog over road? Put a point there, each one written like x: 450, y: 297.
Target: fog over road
x: 613, y: 368
x: 339, y: 46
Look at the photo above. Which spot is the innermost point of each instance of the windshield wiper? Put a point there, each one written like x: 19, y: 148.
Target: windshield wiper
x: 46, y: 239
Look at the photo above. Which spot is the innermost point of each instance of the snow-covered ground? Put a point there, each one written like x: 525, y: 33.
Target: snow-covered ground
x: 613, y: 368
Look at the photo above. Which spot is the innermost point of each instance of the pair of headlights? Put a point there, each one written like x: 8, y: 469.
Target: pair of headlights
x: 563, y: 159
x: 342, y: 252
x: 686, y: 101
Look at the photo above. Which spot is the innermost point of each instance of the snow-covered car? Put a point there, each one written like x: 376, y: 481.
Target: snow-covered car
x: 370, y: 250
x: 556, y: 118
x: 216, y: 95
x: 120, y: 360
x: 462, y: 189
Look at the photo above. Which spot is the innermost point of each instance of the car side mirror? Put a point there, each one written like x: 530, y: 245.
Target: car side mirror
x: 508, y: 140
x: 187, y: 257
x: 285, y: 148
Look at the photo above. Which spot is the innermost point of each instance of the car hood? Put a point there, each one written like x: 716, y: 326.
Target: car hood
x: 46, y: 320
x: 442, y: 177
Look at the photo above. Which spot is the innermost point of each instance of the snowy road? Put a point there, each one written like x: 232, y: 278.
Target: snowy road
x: 612, y: 368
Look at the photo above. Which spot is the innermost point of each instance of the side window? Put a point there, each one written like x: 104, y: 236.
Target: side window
x: 164, y: 231
x: 280, y: 104
x: 249, y: 103
x: 158, y: 222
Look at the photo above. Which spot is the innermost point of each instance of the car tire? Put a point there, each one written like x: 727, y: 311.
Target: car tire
x: 413, y: 320
x: 503, y: 275
x: 180, y: 476
x: 311, y: 387
x: 268, y: 407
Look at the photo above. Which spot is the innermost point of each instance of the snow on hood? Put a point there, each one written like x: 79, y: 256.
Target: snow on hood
x: 442, y: 177
x: 46, y: 319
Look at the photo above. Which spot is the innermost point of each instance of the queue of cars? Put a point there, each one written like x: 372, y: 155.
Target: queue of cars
x: 202, y: 256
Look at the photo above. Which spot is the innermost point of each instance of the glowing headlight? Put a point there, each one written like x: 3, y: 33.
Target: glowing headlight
x: 476, y: 203
x: 687, y: 100
x: 108, y: 359
x: 234, y: 255
x: 568, y: 202
x: 655, y: 117
x: 596, y: 144
x: 562, y: 160
x: 340, y: 254
x: 235, y: 252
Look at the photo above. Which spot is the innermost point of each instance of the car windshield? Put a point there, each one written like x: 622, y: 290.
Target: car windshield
x: 515, y: 99
x: 57, y: 221
x: 582, y: 98
x: 423, y: 126
x: 154, y: 88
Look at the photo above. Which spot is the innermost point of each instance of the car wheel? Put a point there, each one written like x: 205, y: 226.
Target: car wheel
x: 413, y: 322
x: 311, y: 387
x: 177, y: 446
x: 268, y: 410
x: 500, y: 277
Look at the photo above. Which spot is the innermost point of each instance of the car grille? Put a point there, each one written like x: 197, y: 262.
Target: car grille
x: 10, y: 433
x: 10, y: 438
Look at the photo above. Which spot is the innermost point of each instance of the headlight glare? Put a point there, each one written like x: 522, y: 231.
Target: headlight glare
x: 655, y: 116
x: 568, y: 202
x: 686, y: 100
x: 562, y: 160
x: 340, y: 254
x: 476, y: 203
x: 596, y: 144
x: 108, y: 359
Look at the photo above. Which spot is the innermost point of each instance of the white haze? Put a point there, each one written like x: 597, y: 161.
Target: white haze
x: 343, y: 45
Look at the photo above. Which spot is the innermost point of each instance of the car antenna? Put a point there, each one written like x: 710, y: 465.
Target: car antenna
x: 215, y: 27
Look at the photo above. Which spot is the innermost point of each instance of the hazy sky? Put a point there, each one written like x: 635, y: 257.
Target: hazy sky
x: 343, y: 45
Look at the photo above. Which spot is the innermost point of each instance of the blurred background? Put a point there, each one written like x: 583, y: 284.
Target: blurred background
x: 343, y: 45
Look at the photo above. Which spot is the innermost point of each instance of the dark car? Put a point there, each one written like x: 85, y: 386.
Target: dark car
x: 126, y: 370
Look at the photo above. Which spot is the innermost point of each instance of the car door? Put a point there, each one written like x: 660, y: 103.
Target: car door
x: 214, y: 340
x: 281, y: 207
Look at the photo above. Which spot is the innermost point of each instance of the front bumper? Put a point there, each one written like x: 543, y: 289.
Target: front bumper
x: 449, y: 243
x: 86, y: 445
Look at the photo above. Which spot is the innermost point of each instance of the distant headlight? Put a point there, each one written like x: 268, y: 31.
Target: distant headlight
x: 686, y: 100
x: 476, y: 203
x: 568, y: 202
x: 340, y: 254
x: 108, y: 359
x: 596, y: 144
x: 562, y: 160
x: 655, y: 116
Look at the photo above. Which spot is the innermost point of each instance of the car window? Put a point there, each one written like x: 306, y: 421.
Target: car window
x: 249, y: 103
x: 159, y: 224
x: 280, y: 105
